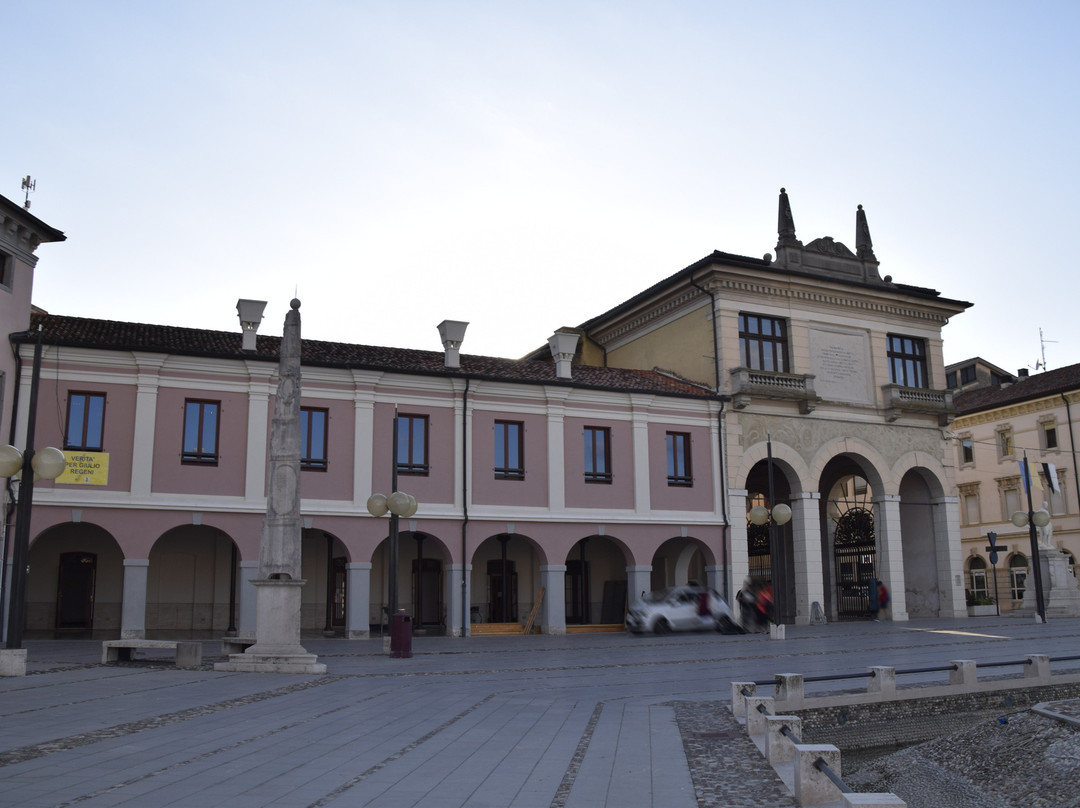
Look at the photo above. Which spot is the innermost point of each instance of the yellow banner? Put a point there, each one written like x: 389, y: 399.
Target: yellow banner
x: 85, y: 468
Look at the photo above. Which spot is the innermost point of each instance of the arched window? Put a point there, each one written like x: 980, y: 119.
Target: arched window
x: 1018, y: 570
x: 977, y: 577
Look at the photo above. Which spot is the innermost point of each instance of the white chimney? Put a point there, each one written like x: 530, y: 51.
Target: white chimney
x: 251, y: 314
x: 452, y: 334
x: 563, y: 344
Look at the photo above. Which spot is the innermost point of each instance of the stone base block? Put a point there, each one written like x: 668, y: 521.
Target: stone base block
x: 13, y: 662
x: 260, y: 663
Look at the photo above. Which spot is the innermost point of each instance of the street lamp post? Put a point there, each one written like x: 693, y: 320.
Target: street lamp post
x: 1033, y: 519
x: 45, y: 464
x: 774, y: 516
x: 398, y: 504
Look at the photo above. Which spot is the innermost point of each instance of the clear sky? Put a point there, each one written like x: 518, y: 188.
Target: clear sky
x: 527, y: 165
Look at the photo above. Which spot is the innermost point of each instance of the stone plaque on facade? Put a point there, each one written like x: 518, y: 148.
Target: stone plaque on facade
x: 840, y: 361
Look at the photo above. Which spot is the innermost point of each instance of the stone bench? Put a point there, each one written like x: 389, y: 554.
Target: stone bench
x: 188, y: 654
x: 235, y: 645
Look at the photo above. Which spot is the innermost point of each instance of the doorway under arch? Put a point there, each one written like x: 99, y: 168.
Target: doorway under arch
x: 76, y: 583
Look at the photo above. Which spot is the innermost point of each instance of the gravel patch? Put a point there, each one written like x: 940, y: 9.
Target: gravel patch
x: 1023, y: 760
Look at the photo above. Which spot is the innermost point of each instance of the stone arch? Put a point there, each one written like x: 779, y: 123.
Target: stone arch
x: 786, y: 460
x: 506, y: 578
x: 850, y: 524
x: 75, y: 583
x: 414, y: 580
x: 680, y: 560
x: 596, y: 580
x: 875, y: 468
x: 189, y: 587
x: 324, y: 562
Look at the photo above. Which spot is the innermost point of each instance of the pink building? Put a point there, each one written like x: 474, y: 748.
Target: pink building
x: 532, y: 476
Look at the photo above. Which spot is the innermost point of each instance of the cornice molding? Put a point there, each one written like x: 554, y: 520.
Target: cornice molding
x: 1004, y: 413
x: 664, y: 309
x: 787, y: 292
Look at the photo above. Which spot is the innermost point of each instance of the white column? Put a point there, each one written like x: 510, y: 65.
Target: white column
x: 457, y: 604
x: 740, y: 554
x: 133, y: 608
x: 806, y: 544
x: 258, y: 421
x: 890, y: 551
x: 950, y: 562
x: 553, y: 579
x: 245, y: 594
x: 142, y: 450
x: 640, y: 438
x: 638, y: 581
x: 363, y: 447
x: 556, y: 469
x: 357, y: 600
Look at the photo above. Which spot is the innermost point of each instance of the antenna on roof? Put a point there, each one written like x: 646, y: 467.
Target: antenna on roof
x: 28, y: 185
x: 1041, y: 363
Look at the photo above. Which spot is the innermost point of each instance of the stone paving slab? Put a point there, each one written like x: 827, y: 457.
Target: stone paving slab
x: 529, y: 722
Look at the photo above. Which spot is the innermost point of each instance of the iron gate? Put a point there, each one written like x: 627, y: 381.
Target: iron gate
x: 855, y: 560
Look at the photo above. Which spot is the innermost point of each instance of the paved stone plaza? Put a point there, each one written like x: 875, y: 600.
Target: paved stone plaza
x: 579, y: 720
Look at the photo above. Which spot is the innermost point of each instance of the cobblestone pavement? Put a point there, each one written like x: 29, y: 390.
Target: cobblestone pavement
x: 532, y: 722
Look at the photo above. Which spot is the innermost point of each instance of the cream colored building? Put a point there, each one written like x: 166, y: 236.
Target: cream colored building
x: 839, y: 371
x: 1000, y: 419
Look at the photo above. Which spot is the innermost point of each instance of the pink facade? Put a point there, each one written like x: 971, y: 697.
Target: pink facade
x: 507, y: 499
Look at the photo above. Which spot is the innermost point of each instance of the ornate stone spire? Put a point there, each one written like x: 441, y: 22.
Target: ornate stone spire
x: 785, y: 227
x: 279, y: 555
x: 864, y: 247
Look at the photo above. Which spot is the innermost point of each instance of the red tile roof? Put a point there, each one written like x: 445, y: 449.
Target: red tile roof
x: 109, y: 335
x: 1041, y: 385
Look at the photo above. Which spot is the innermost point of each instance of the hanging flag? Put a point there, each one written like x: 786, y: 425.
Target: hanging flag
x: 1050, y: 470
x: 1029, y: 482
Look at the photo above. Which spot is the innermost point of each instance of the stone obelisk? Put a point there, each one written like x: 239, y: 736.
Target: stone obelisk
x: 277, y: 647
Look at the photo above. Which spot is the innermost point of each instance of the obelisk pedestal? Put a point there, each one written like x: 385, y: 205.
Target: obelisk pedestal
x: 278, y: 588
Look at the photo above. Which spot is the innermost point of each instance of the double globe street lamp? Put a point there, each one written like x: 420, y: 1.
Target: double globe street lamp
x: 399, y: 504
x: 1031, y: 520
x: 44, y: 464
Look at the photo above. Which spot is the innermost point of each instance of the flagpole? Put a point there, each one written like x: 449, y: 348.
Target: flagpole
x: 1036, y: 561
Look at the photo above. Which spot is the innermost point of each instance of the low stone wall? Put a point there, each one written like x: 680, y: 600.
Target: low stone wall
x: 914, y: 720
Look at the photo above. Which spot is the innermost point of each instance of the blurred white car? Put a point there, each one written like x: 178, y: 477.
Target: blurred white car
x: 681, y: 608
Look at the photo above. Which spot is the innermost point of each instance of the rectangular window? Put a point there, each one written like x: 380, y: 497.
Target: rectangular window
x: 967, y: 450
x: 678, y: 459
x: 313, y: 438
x: 597, y: 454
x: 85, y: 421
x: 1017, y: 577
x: 7, y: 270
x: 1005, y: 443
x: 509, y: 450
x: 1011, y: 503
x: 967, y: 374
x: 763, y: 343
x: 412, y: 444
x: 907, y: 361
x: 950, y: 379
x: 201, y: 431
x: 1049, y: 435
x: 978, y: 583
x: 971, y: 509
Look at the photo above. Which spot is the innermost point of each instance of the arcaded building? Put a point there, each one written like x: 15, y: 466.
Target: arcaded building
x: 623, y: 456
